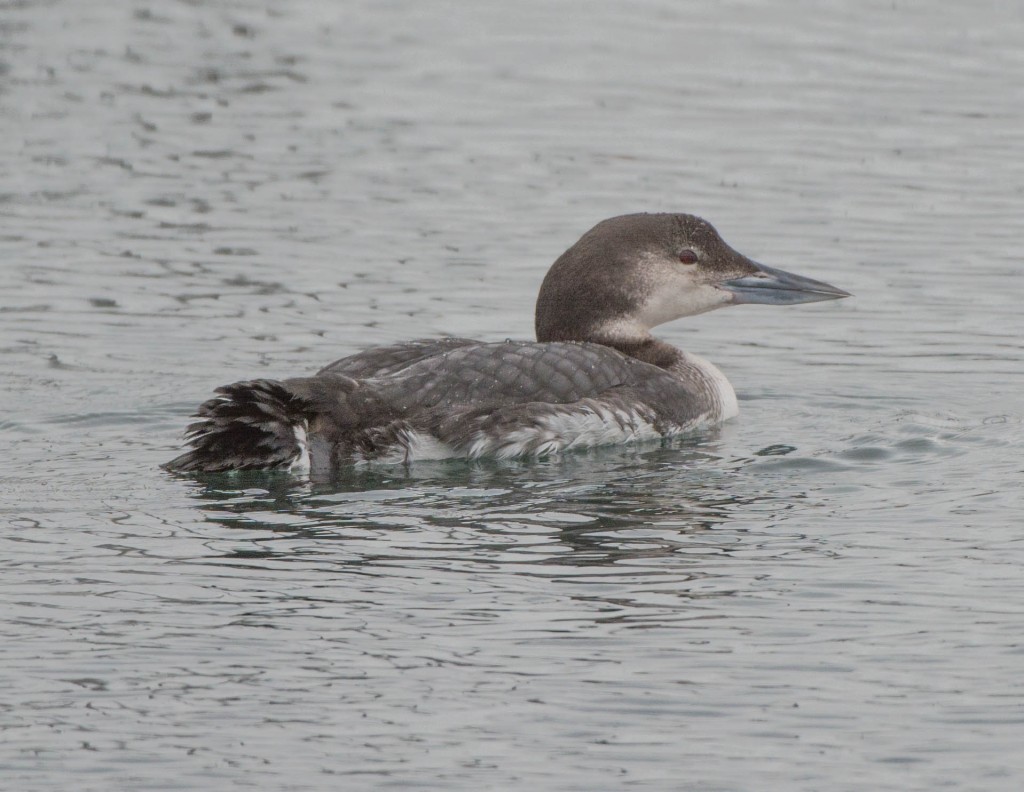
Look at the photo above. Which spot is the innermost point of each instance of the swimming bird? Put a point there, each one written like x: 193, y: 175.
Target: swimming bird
x: 595, y: 374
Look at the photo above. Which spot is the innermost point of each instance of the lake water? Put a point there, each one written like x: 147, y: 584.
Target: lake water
x: 825, y: 594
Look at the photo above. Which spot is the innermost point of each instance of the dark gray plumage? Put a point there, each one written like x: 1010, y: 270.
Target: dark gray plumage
x: 594, y: 375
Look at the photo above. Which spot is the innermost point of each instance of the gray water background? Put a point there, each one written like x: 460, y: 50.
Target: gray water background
x: 824, y: 594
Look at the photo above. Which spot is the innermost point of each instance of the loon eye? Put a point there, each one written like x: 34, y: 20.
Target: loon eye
x: 688, y: 257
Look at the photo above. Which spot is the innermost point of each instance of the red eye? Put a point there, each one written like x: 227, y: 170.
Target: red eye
x: 688, y: 257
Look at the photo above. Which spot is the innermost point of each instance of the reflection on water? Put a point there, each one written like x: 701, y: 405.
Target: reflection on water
x: 599, y: 509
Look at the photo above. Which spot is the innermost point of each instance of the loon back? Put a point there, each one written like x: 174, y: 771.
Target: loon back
x: 595, y: 375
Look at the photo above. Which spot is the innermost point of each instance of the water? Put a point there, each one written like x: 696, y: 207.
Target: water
x: 823, y: 594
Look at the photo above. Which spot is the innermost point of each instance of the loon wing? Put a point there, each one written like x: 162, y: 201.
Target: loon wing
x: 384, y: 361
x: 490, y: 376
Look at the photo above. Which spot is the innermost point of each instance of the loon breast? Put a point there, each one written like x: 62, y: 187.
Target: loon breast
x: 594, y: 376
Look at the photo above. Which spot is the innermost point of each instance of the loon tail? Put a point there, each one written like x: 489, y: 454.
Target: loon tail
x: 259, y: 424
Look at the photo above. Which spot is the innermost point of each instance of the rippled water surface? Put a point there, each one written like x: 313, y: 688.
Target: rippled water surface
x: 825, y: 594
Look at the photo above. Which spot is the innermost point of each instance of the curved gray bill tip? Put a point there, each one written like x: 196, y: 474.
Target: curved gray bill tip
x: 770, y: 286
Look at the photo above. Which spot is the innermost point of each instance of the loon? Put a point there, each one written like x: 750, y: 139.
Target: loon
x: 595, y: 375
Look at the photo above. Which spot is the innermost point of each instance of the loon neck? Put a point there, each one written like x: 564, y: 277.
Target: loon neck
x: 629, y: 339
x: 646, y: 348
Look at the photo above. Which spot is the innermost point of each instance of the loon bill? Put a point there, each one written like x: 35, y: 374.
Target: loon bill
x: 595, y: 375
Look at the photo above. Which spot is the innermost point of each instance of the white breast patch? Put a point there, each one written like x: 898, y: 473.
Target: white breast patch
x: 720, y: 389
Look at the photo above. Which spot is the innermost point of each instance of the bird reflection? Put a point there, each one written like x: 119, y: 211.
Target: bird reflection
x: 645, y: 508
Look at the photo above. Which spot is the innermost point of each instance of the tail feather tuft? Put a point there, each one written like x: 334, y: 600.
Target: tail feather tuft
x: 252, y: 425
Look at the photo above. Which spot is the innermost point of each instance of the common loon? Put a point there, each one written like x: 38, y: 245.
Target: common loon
x: 595, y: 375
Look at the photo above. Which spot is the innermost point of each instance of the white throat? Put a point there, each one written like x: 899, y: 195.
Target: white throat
x: 664, y: 305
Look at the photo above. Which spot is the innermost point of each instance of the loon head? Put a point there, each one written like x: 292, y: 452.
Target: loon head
x: 630, y: 273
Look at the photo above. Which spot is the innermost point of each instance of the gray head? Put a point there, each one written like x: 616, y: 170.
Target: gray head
x: 633, y: 272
